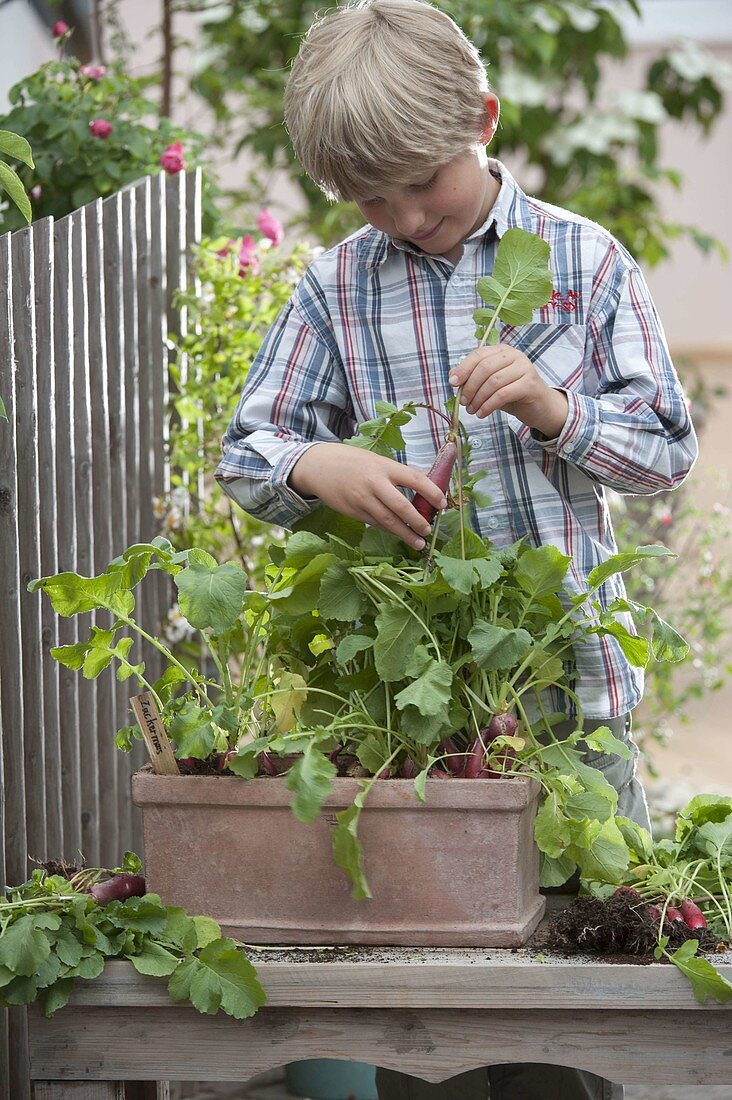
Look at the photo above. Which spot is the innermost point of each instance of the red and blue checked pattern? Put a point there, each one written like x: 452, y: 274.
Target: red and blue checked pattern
x: 378, y: 319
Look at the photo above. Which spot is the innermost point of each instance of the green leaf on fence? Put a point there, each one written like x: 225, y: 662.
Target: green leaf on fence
x: 11, y: 182
x: 16, y: 147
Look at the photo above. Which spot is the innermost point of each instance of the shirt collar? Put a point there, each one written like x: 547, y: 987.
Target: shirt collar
x: 510, y: 209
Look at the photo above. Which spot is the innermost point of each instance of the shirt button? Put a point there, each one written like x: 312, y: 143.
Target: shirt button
x: 475, y: 442
x: 492, y: 523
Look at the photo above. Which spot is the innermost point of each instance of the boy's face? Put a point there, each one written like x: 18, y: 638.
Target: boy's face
x: 438, y: 210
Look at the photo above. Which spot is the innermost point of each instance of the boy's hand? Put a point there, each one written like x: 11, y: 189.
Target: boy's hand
x: 364, y: 486
x: 501, y: 377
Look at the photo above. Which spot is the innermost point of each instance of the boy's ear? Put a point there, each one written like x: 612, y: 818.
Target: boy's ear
x: 492, y: 107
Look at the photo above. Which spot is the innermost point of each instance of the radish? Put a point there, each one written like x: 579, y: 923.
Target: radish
x: 440, y: 472
x: 223, y: 758
x: 653, y: 913
x: 500, y: 725
x: 118, y: 888
x: 630, y: 894
x: 267, y: 764
x: 409, y: 769
x: 692, y: 915
x: 673, y: 914
x: 454, y: 762
x: 474, y: 759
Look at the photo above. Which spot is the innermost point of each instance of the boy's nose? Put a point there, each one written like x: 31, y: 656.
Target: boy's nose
x: 410, y: 222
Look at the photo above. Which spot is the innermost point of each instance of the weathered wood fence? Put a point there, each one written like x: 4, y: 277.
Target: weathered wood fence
x: 85, y: 310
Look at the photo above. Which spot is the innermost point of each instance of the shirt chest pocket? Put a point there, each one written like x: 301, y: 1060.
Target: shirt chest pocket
x: 557, y: 351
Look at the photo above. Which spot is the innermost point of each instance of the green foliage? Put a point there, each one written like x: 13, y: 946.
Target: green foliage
x: 53, y: 109
x: 17, y: 149
x: 52, y: 931
x: 204, y: 713
x: 229, y: 311
x: 695, y: 589
x: 695, y: 865
x: 359, y: 644
x: 595, y: 153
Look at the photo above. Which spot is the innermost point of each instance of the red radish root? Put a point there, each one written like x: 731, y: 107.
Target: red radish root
x: 118, y: 888
x: 440, y: 472
x: 692, y: 915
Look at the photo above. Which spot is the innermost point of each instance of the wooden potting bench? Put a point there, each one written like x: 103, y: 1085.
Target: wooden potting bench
x: 427, y: 1011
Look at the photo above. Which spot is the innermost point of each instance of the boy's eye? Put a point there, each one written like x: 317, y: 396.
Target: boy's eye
x: 414, y: 187
x: 426, y: 185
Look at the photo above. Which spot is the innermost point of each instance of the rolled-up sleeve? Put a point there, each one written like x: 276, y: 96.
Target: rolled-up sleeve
x: 630, y: 429
x: 295, y: 396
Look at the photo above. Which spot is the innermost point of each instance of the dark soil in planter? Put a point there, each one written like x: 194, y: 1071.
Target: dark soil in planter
x: 616, y: 929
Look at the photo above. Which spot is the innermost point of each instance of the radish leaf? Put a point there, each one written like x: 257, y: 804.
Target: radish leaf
x: 521, y: 280
x: 705, y: 981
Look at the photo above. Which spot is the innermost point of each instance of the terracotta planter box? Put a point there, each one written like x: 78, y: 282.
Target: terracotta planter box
x: 459, y: 870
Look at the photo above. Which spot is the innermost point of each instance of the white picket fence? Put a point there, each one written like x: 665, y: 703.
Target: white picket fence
x: 85, y: 311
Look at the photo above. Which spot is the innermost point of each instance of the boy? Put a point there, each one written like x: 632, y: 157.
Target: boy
x: 388, y: 106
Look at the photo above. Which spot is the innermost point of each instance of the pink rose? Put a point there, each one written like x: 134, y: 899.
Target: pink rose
x: 35, y: 192
x: 172, y: 159
x: 93, y: 72
x: 270, y: 227
x: 248, y: 259
x: 100, y: 128
x: 59, y: 29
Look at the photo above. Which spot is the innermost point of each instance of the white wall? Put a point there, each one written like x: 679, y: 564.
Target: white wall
x: 24, y: 45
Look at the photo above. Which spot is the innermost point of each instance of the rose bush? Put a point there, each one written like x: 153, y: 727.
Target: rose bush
x: 93, y: 130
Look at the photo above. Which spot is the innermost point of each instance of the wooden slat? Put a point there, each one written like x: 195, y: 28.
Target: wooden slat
x: 79, y: 1090
x: 143, y: 236
x: 4, y: 1036
x: 177, y: 1043
x: 433, y: 978
x: 159, y: 333
x: 11, y: 663
x: 158, y: 385
x: 66, y: 534
x: 193, y: 233
x: 115, y: 341
x: 104, y: 718
x: 29, y: 510
x: 15, y: 839
x: 83, y: 489
x: 176, y: 260
x: 46, y: 388
x: 131, y: 375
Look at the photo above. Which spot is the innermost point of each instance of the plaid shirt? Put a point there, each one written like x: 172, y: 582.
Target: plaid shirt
x: 376, y: 318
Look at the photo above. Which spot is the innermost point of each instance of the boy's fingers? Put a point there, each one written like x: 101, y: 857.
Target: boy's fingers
x: 494, y: 355
x: 492, y: 386
x: 406, y: 512
x: 418, y: 480
x: 383, y: 517
x: 505, y: 396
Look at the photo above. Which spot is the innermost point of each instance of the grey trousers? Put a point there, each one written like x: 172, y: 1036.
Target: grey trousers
x: 529, y: 1080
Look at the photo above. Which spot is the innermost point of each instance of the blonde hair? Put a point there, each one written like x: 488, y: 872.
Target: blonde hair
x: 382, y: 91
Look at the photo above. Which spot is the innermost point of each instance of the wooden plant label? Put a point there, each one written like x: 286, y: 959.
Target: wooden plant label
x: 156, y: 739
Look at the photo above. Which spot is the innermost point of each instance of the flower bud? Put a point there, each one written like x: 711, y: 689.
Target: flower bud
x: 172, y: 159
x: 60, y: 28
x: 93, y: 72
x: 100, y: 128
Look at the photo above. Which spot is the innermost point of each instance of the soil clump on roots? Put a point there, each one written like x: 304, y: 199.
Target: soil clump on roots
x: 618, y: 928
